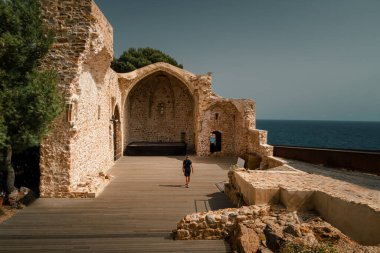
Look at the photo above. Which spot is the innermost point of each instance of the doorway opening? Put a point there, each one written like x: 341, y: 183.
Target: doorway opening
x: 215, y: 142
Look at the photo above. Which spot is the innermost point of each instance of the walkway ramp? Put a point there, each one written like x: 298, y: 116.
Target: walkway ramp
x: 136, y: 212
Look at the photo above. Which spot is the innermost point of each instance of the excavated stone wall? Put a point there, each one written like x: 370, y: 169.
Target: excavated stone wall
x: 264, y: 228
x: 105, y: 110
x: 298, y: 190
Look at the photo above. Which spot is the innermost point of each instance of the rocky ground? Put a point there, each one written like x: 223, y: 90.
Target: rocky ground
x: 267, y: 228
x: 17, y: 200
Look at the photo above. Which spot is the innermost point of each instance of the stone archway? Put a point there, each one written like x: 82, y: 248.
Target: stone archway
x: 117, y: 144
x: 160, y: 109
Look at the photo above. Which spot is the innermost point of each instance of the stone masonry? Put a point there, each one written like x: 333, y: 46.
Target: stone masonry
x: 265, y: 228
x: 105, y: 110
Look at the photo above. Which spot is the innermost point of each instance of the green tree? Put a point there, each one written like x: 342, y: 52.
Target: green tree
x: 29, y: 97
x: 141, y: 57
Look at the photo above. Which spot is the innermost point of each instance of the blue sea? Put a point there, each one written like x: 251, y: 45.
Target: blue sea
x: 323, y: 134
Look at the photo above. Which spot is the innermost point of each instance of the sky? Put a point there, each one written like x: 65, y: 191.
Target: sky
x: 298, y: 59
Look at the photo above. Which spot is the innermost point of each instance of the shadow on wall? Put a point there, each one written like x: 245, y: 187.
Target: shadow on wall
x: 253, y: 161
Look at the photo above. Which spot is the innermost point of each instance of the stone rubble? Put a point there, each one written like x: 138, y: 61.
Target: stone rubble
x: 92, y: 184
x: 304, y: 187
x: 265, y: 228
x: 16, y: 196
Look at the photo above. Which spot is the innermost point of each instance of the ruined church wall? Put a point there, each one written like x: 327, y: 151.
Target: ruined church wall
x: 92, y: 148
x: 79, y: 143
x: 237, y: 123
x: 247, y: 116
x: 55, y: 161
x: 221, y: 116
x: 146, y: 122
x: 236, y: 120
x: 82, y: 144
x: 198, y: 88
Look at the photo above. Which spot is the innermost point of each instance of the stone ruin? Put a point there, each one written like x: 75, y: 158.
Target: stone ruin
x: 105, y: 110
x: 267, y: 229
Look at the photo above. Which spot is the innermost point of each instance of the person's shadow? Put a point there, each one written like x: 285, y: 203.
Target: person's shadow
x: 171, y: 185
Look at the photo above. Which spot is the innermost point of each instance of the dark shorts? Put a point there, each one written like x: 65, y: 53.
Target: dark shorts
x: 187, y: 173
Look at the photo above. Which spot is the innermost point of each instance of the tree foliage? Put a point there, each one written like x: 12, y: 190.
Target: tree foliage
x: 23, y: 39
x: 141, y: 57
x: 30, y: 108
x: 29, y: 97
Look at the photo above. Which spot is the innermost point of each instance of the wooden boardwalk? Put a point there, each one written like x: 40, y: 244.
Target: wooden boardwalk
x: 136, y: 212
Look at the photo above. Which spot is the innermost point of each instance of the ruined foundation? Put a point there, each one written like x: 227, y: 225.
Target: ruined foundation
x: 359, y: 218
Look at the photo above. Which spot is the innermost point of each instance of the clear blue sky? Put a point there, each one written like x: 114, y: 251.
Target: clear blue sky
x: 299, y: 59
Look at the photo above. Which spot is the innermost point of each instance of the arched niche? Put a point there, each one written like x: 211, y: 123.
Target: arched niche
x: 160, y: 108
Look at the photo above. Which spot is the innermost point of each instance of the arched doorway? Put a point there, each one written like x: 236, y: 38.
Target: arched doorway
x: 160, y: 114
x: 117, y: 145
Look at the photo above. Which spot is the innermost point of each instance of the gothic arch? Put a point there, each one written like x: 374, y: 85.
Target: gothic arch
x: 134, y: 77
x: 159, y: 107
x: 223, y: 104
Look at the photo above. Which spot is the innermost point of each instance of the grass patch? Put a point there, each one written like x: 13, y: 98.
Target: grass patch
x: 290, y: 247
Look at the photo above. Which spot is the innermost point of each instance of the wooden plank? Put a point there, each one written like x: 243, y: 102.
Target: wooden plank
x: 135, y: 213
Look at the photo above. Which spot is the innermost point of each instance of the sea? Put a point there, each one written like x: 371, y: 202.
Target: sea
x: 349, y: 135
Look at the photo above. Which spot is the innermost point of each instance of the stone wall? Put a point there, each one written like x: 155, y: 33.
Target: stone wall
x: 267, y: 228
x: 80, y: 144
x: 223, y: 117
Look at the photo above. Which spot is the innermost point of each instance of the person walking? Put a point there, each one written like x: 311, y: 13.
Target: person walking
x: 187, y: 169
